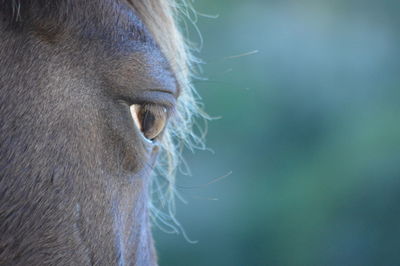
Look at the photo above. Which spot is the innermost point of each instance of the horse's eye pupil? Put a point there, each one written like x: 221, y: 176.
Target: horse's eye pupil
x: 148, y: 121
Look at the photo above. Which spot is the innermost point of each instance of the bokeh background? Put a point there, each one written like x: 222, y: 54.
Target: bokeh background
x: 309, y: 132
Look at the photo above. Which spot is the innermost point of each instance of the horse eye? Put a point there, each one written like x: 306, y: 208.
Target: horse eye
x: 150, y: 119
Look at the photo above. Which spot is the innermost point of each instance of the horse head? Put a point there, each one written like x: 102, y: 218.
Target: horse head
x: 90, y: 92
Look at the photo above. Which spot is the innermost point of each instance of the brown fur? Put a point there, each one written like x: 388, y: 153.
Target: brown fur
x: 74, y: 180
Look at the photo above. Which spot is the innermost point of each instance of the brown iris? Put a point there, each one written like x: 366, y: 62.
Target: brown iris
x: 150, y: 119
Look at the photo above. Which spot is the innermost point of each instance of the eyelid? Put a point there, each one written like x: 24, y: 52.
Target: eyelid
x: 153, y: 97
x: 158, y: 97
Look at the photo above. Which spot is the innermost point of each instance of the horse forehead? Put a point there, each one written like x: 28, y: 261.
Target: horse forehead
x: 119, y: 30
x: 112, y: 34
x: 112, y: 28
x: 132, y: 47
x: 118, y: 20
x: 109, y: 20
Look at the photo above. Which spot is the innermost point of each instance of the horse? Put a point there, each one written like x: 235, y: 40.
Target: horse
x: 94, y: 94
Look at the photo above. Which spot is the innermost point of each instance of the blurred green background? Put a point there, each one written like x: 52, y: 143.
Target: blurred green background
x: 310, y: 131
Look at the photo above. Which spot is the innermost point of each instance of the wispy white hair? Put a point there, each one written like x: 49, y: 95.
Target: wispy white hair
x: 161, y: 18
